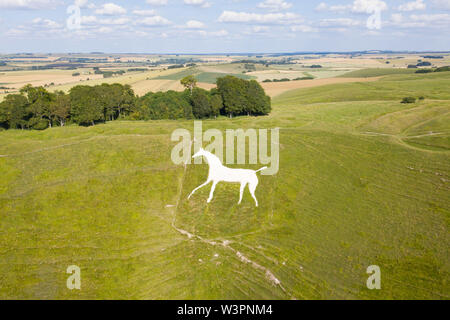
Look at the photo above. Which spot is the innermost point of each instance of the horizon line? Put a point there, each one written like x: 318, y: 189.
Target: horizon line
x: 374, y: 51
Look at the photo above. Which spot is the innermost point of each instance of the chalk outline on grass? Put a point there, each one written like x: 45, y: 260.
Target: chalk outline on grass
x: 224, y: 243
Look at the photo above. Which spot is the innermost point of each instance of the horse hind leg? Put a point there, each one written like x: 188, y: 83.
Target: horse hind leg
x: 252, y: 188
x: 243, y: 185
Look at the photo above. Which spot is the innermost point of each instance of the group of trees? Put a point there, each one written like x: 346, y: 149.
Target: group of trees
x: 37, y: 108
x: 232, y: 97
x: 105, y: 102
x: 412, y: 99
x: 34, y: 108
x: 287, y: 79
x: 429, y: 70
x: 242, y: 97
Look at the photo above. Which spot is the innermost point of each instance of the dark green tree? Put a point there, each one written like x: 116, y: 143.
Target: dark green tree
x: 201, y: 104
x: 124, y: 99
x: 216, y: 102
x: 189, y: 82
x: 39, y: 100
x: 243, y: 97
x: 14, y: 111
x: 258, y: 102
x: 60, y: 108
x: 233, y: 92
x: 164, y: 105
x: 86, y: 108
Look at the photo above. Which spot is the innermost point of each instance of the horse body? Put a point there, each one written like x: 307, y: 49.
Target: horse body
x: 220, y: 173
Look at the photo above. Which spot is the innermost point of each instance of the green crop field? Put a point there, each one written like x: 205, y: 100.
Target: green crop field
x: 211, y: 77
x: 363, y: 180
x: 205, y: 77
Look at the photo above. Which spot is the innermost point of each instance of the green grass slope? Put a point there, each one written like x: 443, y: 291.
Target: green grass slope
x: 363, y: 180
x: 376, y: 72
x: 431, y: 86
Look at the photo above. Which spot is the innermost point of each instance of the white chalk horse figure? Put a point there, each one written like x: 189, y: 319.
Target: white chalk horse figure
x: 218, y: 172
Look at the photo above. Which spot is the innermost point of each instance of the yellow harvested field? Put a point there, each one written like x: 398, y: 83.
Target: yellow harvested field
x: 64, y: 80
x: 17, y: 79
x: 346, y: 62
x: 276, y: 88
x: 273, y: 89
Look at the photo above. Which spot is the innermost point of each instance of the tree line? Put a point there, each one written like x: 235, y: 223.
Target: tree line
x: 37, y: 108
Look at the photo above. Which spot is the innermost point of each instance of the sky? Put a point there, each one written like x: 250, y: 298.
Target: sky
x: 223, y: 26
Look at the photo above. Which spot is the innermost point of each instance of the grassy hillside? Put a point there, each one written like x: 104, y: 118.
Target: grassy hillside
x: 363, y: 180
x: 377, y: 72
x: 392, y: 88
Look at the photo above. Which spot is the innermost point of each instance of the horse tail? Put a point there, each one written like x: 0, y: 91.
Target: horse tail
x: 263, y: 168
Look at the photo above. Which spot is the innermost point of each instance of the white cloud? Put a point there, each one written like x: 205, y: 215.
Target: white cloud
x: 441, y: 4
x: 413, y: 6
x: 339, y: 22
x: 46, y: 23
x: 199, y: 3
x: 260, y: 29
x: 144, y: 12
x: 80, y: 3
x: 270, y: 18
x: 322, y: 7
x: 29, y: 4
x: 397, y: 18
x: 204, y: 33
x: 220, y: 33
x: 195, y: 33
x: 439, y: 18
x: 88, y: 20
x: 303, y: 28
x: 84, y: 4
x: 155, y: 21
x: 420, y: 21
x: 105, y: 30
x: 16, y: 32
x: 118, y: 21
x: 275, y: 5
x: 336, y: 8
x: 358, y: 6
x: 110, y: 9
x: 194, y: 24
x: 368, y: 6
x: 93, y: 21
x: 157, y: 2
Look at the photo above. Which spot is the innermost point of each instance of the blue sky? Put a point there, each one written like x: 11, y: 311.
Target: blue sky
x: 223, y: 26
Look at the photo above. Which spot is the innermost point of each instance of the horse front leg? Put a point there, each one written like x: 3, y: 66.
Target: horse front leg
x: 211, y: 193
x: 199, y: 187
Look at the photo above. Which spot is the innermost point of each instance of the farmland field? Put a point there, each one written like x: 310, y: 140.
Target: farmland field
x: 161, y: 78
x: 201, y: 76
x: 363, y: 180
